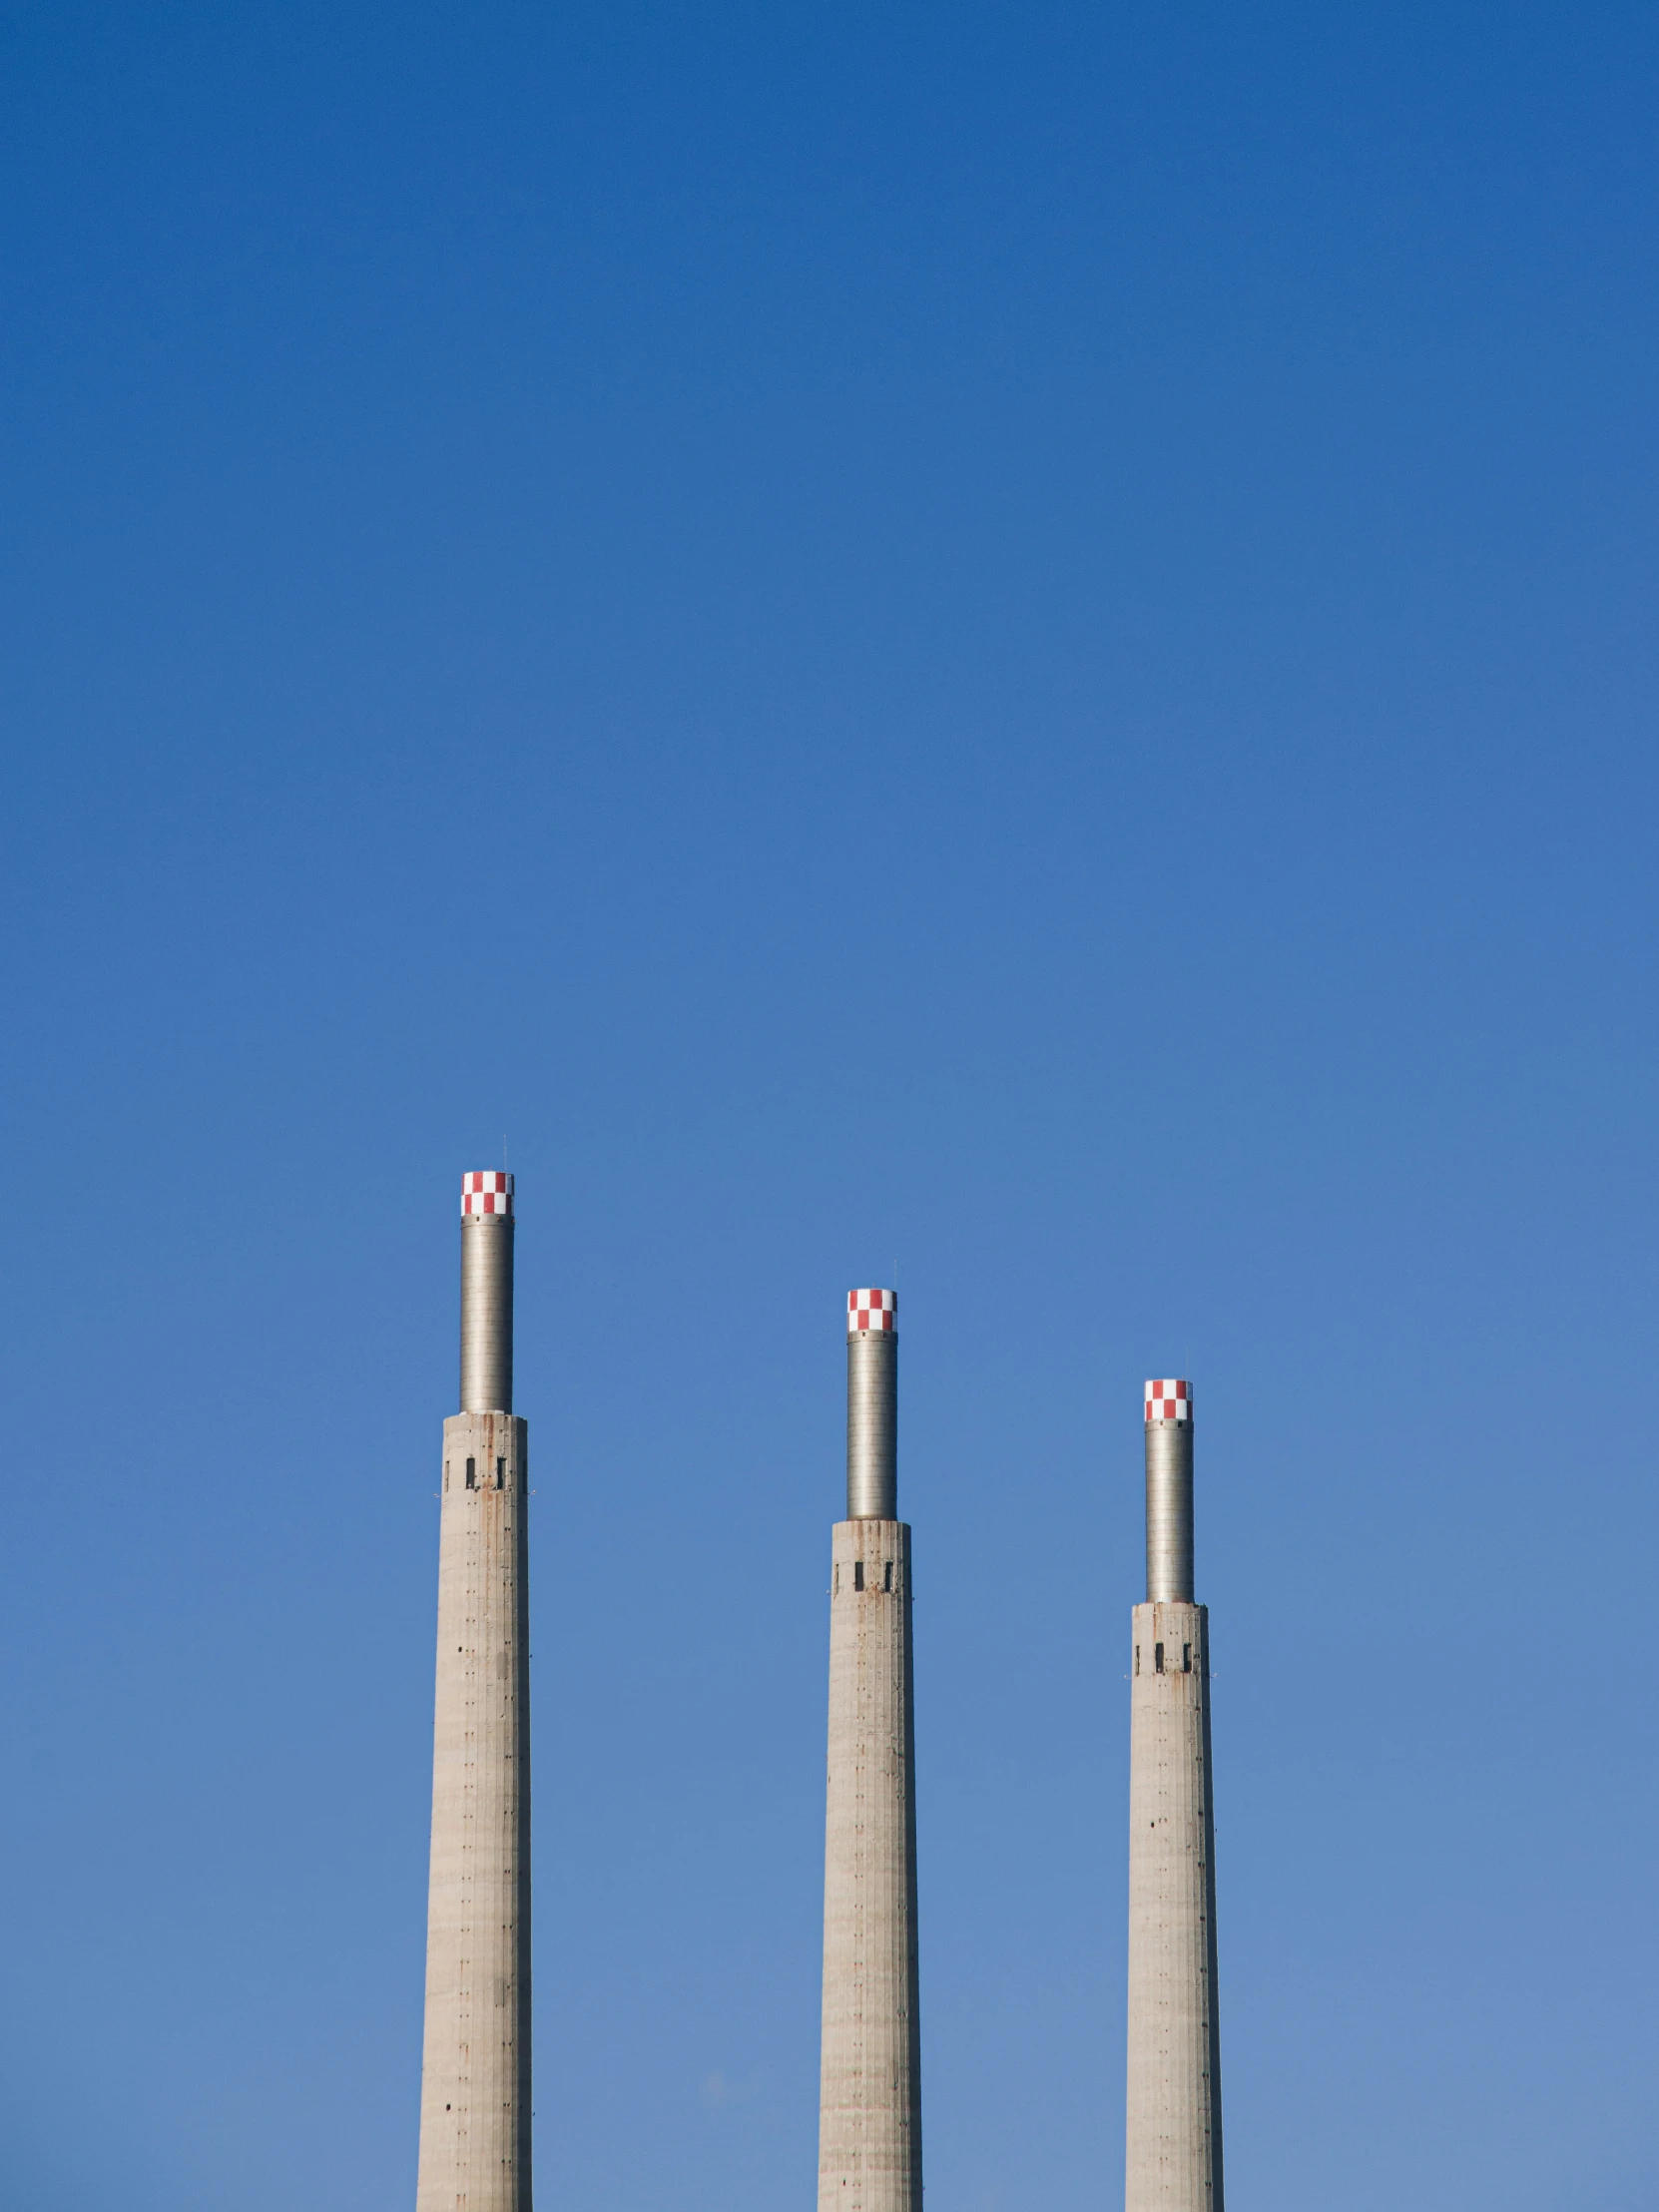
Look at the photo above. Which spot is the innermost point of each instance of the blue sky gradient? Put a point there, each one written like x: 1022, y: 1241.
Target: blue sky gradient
x: 1014, y: 646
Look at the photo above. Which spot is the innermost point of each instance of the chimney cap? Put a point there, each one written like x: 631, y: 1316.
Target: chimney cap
x: 871, y: 1310
x: 1169, y: 1400
x: 486, y: 1191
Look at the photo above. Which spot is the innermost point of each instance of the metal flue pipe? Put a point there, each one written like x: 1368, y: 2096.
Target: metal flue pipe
x: 487, y: 1292
x: 872, y: 1406
x: 1168, y: 1492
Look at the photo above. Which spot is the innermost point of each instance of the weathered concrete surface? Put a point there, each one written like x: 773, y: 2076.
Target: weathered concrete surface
x: 475, y: 2077
x: 869, y: 2127
x: 1172, y: 2159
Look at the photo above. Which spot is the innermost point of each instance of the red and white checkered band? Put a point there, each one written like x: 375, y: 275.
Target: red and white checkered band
x: 1169, y: 1400
x: 871, y: 1310
x: 486, y: 1191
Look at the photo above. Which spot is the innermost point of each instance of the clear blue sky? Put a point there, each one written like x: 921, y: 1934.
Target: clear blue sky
x: 1012, y: 643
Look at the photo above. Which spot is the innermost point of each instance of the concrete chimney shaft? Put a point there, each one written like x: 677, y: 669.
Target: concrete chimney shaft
x: 869, y: 2098
x: 1173, y: 2152
x: 475, y: 2070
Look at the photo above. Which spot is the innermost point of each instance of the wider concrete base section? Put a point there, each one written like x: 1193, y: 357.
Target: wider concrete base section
x: 475, y: 2079
x: 1174, y: 2137
x: 869, y: 2132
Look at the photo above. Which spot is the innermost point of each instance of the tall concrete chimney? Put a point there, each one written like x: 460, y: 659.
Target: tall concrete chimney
x: 475, y: 2075
x: 1173, y: 2162
x: 870, y: 2106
